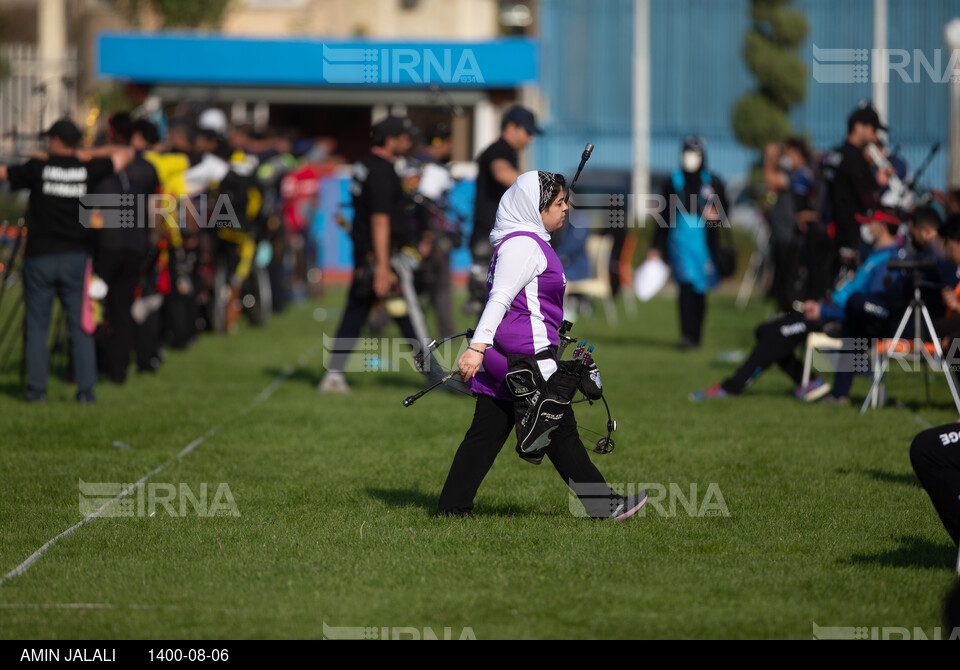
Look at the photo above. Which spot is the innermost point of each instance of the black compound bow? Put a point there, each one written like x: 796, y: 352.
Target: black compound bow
x: 428, y: 365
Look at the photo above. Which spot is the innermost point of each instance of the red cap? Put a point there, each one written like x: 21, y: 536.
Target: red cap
x: 878, y: 216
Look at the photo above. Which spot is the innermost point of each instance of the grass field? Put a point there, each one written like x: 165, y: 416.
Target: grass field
x: 826, y: 522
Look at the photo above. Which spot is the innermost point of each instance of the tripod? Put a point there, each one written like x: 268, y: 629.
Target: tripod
x: 918, y: 310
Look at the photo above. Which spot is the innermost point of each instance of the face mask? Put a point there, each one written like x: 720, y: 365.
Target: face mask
x: 692, y: 161
x: 786, y: 163
x: 866, y: 234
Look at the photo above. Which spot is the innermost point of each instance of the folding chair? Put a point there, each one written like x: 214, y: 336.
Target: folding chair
x: 597, y: 286
x: 817, y: 342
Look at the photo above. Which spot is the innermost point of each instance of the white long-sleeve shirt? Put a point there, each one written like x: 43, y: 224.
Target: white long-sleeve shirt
x: 519, y: 260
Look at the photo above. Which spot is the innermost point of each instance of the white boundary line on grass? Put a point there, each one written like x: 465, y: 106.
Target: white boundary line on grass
x: 916, y: 417
x: 260, y: 397
x: 105, y: 606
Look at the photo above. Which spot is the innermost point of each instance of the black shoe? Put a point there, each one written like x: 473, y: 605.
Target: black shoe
x: 36, y: 397
x: 685, y: 344
x: 86, y: 397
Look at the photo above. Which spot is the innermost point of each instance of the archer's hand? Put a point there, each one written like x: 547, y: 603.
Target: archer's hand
x: 811, y: 310
x: 382, y: 278
x: 950, y: 299
x: 470, y: 362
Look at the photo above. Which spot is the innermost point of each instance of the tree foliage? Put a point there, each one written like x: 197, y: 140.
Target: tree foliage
x: 177, y: 13
x: 770, y: 52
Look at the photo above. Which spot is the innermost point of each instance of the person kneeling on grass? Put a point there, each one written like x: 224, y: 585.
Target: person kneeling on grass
x: 935, y: 456
x: 778, y: 340
x: 524, y: 308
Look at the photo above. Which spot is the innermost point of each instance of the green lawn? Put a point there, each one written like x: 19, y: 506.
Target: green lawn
x: 826, y: 522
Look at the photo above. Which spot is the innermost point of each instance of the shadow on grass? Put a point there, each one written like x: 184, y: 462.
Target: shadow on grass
x: 428, y: 503
x: 13, y: 389
x: 884, y: 476
x: 913, y: 552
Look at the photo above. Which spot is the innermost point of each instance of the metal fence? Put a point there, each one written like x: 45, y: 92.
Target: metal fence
x: 29, y: 93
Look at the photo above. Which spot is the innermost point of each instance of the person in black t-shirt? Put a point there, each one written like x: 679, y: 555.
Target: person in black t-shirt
x: 55, y: 259
x: 378, y: 230
x: 854, y: 187
x: 497, y: 169
x: 122, y: 250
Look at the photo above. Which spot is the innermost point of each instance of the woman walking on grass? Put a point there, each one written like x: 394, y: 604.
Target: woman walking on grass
x: 524, y: 308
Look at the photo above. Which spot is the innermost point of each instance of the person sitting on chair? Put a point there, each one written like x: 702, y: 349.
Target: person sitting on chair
x: 948, y: 326
x: 777, y: 340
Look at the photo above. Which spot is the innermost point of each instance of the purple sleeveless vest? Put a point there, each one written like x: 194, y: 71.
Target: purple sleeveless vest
x: 529, y: 326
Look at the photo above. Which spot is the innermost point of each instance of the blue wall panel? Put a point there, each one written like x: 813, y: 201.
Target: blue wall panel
x: 697, y: 75
x: 194, y: 58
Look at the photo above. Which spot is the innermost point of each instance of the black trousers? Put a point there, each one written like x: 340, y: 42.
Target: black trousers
x: 148, y: 340
x: 693, y: 310
x: 360, y: 301
x: 120, y: 269
x: 777, y: 342
x: 866, y: 317
x: 847, y: 242
x: 493, y: 421
x: 786, y: 261
x: 935, y: 455
x: 819, y: 257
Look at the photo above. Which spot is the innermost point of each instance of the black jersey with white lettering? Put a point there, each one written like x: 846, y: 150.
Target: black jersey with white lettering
x: 53, y: 214
x: 489, y: 190
x: 376, y: 189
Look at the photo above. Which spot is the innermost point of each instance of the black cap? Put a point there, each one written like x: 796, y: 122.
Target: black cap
x: 866, y: 115
x: 66, y: 130
x: 438, y: 132
x: 694, y: 143
x: 392, y: 126
x: 522, y: 117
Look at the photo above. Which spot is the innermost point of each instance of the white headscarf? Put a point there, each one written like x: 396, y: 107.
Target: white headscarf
x: 519, y: 210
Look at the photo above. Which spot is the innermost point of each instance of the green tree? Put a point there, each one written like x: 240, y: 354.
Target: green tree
x: 178, y: 13
x: 770, y: 51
